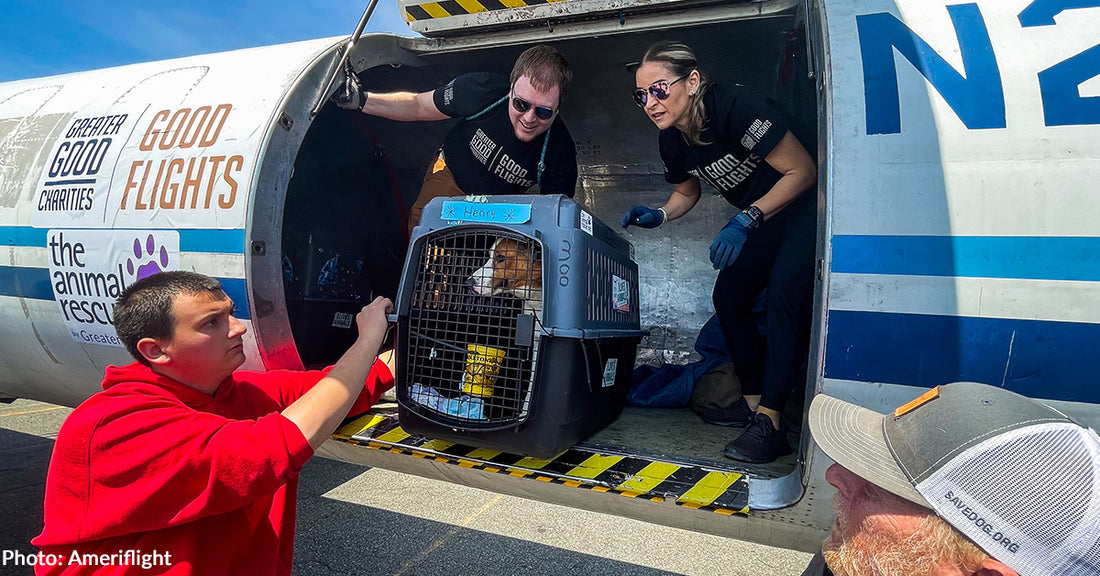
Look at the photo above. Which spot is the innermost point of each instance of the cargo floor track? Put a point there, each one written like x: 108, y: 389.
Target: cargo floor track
x: 663, y: 455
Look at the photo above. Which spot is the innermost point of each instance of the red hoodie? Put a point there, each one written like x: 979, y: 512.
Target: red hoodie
x: 197, y: 484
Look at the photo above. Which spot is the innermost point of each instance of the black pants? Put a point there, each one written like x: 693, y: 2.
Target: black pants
x: 778, y: 256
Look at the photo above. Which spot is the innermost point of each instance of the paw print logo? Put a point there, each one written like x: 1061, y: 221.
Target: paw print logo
x: 147, y: 260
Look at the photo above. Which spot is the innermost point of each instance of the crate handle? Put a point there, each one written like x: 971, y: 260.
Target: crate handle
x: 588, y: 366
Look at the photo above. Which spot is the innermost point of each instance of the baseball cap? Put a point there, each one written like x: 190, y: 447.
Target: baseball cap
x: 1018, y: 478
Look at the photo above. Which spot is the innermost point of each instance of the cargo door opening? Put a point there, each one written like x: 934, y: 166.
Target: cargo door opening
x: 619, y: 167
x: 343, y: 234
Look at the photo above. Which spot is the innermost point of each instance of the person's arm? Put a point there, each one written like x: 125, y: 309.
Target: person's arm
x: 318, y: 412
x: 790, y: 159
x: 684, y: 197
x: 685, y: 191
x: 403, y: 106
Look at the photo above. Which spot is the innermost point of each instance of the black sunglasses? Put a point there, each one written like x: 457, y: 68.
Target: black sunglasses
x: 522, y: 106
x: 658, y: 89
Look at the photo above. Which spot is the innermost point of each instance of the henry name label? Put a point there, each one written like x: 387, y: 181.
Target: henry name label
x: 458, y: 211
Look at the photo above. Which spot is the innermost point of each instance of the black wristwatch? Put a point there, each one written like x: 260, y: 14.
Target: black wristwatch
x: 750, y: 217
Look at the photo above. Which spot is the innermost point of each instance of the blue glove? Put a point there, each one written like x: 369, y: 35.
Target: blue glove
x: 643, y: 217
x: 727, y: 246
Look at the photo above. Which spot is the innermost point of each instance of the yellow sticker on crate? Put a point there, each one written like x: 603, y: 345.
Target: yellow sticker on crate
x: 482, y: 367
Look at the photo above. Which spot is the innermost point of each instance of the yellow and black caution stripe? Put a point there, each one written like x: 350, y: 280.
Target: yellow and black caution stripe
x: 445, y: 8
x: 579, y: 467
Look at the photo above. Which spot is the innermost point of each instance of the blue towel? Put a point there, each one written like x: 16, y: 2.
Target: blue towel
x: 670, y: 385
x: 465, y: 406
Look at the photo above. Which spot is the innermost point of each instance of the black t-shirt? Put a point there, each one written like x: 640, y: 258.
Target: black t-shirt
x: 742, y: 129
x: 484, y: 154
x: 817, y: 567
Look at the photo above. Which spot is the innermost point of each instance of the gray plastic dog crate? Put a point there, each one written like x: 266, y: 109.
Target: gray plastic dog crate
x: 518, y: 324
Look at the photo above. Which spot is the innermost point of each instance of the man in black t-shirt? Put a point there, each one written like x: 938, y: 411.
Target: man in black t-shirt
x: 509, y: 138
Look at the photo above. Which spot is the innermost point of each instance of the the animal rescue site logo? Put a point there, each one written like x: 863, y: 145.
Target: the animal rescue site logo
x: 89, y: 269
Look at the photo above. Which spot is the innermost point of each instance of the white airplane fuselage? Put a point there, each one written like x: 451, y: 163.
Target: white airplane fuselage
x: 958, y: 149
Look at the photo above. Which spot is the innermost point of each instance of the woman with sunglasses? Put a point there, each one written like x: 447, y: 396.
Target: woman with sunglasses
x: 740, y: 144
x: 509, y: 136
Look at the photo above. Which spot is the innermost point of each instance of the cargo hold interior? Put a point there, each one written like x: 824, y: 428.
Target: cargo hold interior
x: 343, y: 229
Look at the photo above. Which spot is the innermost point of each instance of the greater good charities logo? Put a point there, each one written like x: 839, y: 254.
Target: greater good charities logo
x: 120, y: 167
x: 77, y: 176
x: 89, y: 269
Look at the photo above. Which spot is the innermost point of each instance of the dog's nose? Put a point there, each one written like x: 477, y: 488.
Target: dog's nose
x: 473, y: 284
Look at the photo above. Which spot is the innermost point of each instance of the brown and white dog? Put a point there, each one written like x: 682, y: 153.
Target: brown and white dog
x: 512, y: 269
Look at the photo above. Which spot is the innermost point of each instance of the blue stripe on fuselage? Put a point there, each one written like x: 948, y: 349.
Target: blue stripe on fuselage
x: 1041, y: 359
x: 34, y: 283
x: 191, y: 240
x: 23, y: 236
x: 25, y: 283
x: 1027, y: 257
x: 237, y: 290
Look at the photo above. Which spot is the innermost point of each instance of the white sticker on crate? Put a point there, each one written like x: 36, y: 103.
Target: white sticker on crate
x: 586, y: 222
x: 620, y: 293
x: 609, y: 372
x: 342, y: 320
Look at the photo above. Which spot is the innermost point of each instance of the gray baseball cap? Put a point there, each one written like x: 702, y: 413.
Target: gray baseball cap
x: 1020, y: 479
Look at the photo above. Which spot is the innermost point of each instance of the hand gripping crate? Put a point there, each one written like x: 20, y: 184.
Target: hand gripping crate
x: 518, y: 324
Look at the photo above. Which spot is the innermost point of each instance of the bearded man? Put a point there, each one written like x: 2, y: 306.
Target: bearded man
x: 967, y: 479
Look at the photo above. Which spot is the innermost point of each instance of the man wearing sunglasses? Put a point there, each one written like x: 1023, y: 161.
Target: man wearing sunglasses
x: 509, y: 138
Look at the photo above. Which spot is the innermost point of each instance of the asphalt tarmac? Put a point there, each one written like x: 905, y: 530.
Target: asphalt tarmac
x: 356, y: 520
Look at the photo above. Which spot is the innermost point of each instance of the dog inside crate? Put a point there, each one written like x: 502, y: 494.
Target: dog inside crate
x: 476, y: 301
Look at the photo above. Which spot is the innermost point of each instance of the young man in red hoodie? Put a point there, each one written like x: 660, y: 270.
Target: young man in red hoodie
x: 182, y: 465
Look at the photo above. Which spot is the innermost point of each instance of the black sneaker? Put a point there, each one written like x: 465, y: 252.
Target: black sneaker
x: 760, y: 443
x: 737, y: 414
